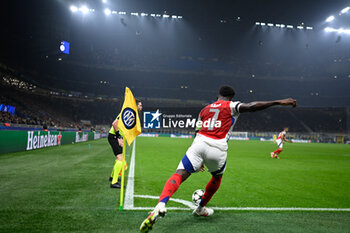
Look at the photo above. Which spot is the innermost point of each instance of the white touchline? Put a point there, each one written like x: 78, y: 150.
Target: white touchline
x: 129, y: 198
x: 191, y: 207
x: 129, y: 192
x: 256, y: 209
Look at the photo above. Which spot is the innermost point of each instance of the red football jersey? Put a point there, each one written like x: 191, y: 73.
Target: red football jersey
x: 219, y: 118
x: 282, y: 135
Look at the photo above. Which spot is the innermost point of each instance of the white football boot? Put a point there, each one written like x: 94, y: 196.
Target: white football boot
x: 158, y: 212
x: 203, y: 211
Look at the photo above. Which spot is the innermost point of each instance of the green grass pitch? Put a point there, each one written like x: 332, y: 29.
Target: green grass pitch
x: 66, y: 188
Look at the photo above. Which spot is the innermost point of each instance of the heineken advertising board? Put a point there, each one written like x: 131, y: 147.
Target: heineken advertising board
x: 12, y: 140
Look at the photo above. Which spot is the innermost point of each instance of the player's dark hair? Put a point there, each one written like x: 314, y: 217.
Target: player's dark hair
x: 137, y: 101
x: 227, y: 91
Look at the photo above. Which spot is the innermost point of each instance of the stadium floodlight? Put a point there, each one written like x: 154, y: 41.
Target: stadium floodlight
x: 107, y: 11
x: 309, y: 28
x: 179, y: 17
x: 114, y: 12
x: 166, y: 16
x: 300, y: 27
x: 278, y: 25
x: 330, y: 19
x: 283, y: 26
x: 328, y: 29
x: 153, y: 15
x: 174, y: 16
x: 73, y: 8
x: 341, y: 30
x: 262, y: 24
x: 84, y: 9
x: 122, y: 12
x: 92, y: 10
x: 144, y: 14
x: 257, y: 23
x: 345, y: 10
x: 270, y: 24
x: 158, y: 15
x: 134, y: 13
x: 104, y: 1
x: 290, y: 26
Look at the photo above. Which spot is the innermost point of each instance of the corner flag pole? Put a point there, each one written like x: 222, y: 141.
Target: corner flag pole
x: 122, y: 185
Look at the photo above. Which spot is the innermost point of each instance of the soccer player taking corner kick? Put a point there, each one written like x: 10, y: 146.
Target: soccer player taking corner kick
x: 115, y: 139
x: 209, y: 148
x: 280, y: 141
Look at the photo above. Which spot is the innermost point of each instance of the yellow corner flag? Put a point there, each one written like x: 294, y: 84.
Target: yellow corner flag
x: 129, y: 122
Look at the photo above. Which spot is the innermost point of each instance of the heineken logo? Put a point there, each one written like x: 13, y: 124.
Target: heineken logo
x: 129, y: 118
x: 37, y: 139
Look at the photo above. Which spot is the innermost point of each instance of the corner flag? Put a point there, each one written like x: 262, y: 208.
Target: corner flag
x: 130, y: 122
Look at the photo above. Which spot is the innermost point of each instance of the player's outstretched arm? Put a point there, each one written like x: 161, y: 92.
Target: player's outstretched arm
x: 261, y: 105
x: 288, y: 140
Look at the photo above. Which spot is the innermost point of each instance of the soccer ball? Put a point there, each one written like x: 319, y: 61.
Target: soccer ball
x: 197, y: 196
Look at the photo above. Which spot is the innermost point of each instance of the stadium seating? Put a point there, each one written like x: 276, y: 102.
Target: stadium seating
x: 63, y: 111
x: 61, y: 107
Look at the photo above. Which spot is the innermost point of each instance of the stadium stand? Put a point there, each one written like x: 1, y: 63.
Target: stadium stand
x: 60, y: 108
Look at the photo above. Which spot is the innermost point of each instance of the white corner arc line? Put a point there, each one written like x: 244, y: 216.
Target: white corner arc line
x: 129, y: 192
x: 184, y: 202
x: 152, y: 208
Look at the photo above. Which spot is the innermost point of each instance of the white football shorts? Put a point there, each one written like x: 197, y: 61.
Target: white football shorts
x: 279, y: 143
x: 210, y: 152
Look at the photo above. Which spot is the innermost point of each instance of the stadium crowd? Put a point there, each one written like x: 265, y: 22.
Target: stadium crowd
x: 59, y: 108
x: 57, y: 111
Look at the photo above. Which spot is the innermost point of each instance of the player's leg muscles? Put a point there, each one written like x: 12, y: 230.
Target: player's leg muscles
x: 211, y: 189
x: 183, y: 173
x: 173, y: 184
x: 215, y: 161
x: 191, y: 162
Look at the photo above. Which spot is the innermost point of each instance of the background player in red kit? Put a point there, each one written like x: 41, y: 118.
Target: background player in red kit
x: 209, y: 148
x: 280, y: 141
